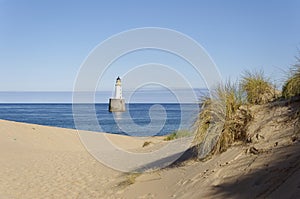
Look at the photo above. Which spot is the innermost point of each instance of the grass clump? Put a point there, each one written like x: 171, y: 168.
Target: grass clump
x: 178, y: 134
x: 257, y: 87
x: 222, y: 120
x: 224, y: 116
x: 147, y: 143
x: 291, y: 86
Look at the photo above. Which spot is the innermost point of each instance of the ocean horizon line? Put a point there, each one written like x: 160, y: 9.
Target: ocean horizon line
x: 139, y: 96
x: 124, y: 89
x: 100, y: 103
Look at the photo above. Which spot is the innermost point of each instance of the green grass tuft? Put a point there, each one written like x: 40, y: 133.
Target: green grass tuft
x: 178, y: 134
x: 130, y: 179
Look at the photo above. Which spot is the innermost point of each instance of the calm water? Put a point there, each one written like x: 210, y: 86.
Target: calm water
x: 137, y: 120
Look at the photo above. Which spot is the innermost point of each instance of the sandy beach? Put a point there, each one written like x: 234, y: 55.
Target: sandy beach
x: 149, y: 99
x: 48, y: 162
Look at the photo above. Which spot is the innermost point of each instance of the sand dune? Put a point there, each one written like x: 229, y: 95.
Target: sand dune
x: 47, y: 162
x: 271, y: 171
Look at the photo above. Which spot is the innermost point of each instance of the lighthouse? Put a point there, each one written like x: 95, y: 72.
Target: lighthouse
x: 118, y: 89
x: 117, y: 103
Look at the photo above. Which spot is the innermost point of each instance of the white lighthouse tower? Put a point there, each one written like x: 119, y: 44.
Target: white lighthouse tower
x: 118, y: 89
x: 117, y: 103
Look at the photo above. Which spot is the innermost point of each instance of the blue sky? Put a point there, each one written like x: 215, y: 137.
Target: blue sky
x: 43, y: 43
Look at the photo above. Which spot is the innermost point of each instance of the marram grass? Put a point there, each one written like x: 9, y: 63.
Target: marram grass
x: 257, y: 87
x: 224, y: 115
x: 221, y: 120
x: 291, y: 86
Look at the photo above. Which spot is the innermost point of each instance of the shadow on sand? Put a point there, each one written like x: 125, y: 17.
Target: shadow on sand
x: 268, y: 181
x: 276, y: 176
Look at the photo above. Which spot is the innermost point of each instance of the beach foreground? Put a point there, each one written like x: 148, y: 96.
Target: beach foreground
x: 48, y: 162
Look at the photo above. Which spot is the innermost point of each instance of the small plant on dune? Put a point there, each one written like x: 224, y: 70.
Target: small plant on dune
x: 171, y: 136
x: 178, y: 134
x: 291, y: 86
x: 130, y: 179
x: 257, y: 87
x: 147, y: 143
x: 221, y: 122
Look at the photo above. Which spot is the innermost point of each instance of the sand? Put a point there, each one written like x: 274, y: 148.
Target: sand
x: 48, y: 162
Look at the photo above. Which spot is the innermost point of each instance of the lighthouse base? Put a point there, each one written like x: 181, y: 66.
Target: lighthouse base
x: 116, y: 105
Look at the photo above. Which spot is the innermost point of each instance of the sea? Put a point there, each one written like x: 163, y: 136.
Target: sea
x: 148, y: 112
x: 140, y: 119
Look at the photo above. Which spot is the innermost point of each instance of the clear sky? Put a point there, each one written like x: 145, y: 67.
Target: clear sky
x: 43, y: 43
